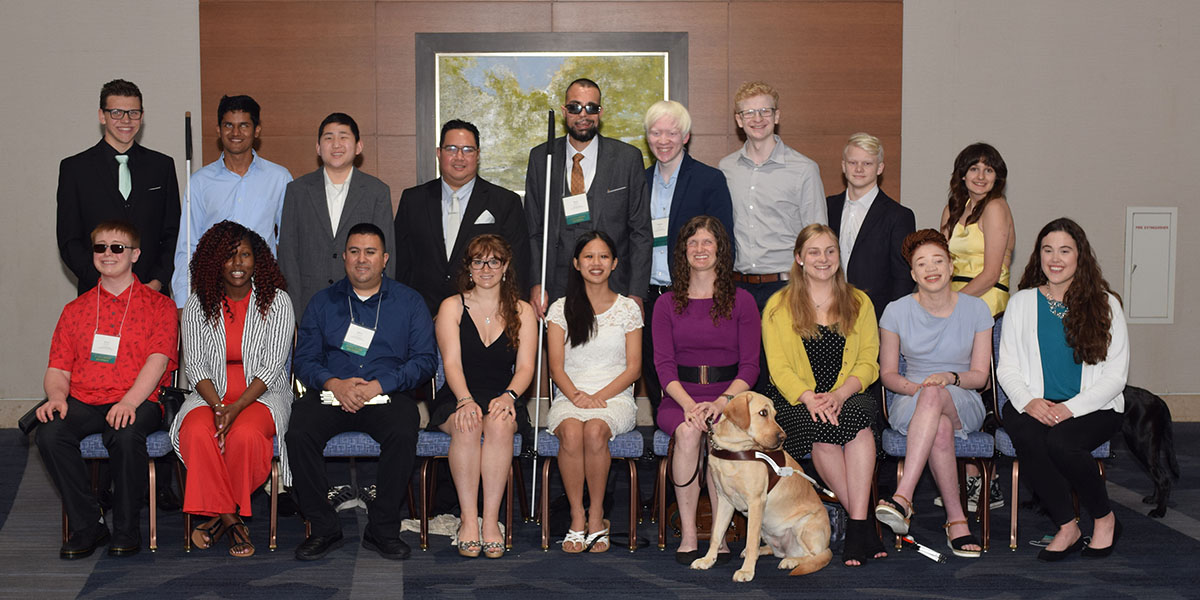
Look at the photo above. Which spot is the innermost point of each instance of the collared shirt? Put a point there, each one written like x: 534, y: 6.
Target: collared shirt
x: 147, y: 324
x: 402, y: 353
x: 772, y: 202
x: 591, y: 154
x: 661, y: 194
x: 464, y: 196
x: 853, y: 213
x: 254, y: 200
x: 335, y: 197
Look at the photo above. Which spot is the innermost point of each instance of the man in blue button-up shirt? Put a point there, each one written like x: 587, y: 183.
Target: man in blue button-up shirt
x: 364, y: 342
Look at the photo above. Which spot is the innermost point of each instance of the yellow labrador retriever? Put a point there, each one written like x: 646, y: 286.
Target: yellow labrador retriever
x: 783, y: 513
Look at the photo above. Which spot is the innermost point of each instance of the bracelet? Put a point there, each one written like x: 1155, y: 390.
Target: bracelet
x: 464, y: 401
x: 727, y: 396
x: 511, y: 394
x: 955, y: 378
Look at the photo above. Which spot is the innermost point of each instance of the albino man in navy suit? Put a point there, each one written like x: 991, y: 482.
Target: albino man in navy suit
x: 870, y: 225
x: 680, y: 188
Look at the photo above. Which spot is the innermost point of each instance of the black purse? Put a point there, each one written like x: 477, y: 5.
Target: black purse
x: 171, y: 400
x: 29, y: 421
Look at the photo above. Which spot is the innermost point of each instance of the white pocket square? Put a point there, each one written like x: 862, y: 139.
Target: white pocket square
x: 486, y: 218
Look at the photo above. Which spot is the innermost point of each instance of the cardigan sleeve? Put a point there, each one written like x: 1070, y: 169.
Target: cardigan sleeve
x: 197, y: 351
x: 1014, y: 351
x: 865, y: 365
x: 1113, y: 372
x: 271, y: 364
x: 787, y: 360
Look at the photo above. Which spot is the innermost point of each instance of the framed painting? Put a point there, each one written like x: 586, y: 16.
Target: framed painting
x: 504, y: 83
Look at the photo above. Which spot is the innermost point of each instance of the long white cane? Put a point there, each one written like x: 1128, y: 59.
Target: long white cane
x: 187, y: 194
x: 537, y: 397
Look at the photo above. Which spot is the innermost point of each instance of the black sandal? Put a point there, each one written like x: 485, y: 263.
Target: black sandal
x: 893, y: 514
x: 959, y: 545
x: 206, y: 534
x: 855, y: 545
x: 239, y: 541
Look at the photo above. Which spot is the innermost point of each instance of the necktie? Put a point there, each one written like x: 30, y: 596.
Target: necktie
x: 452, y: 221
x: 124, y: 184
x: 577, y: 175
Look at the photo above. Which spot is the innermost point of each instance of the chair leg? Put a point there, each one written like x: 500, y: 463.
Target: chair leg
x: 64, y: 523
x: 899, y: 474
x: 187, y: 517
x: 519, y: 480
x: 635, y: 504
x: 989, y: 469
x: 426, y: 493
x: 273, y: 544
x: 545, y: 503
x: 660, y: 504
x: 508, y: 510
x: 153, y: 506
x: 1012, y: 528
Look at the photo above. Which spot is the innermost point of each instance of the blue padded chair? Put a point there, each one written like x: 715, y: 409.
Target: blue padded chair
x: 627, y: 447
x: 158, y: 445
x: 979, y: 448
x: 1004, y: 444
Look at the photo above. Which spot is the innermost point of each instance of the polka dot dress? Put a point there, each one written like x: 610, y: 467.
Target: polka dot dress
x: 825, y: 357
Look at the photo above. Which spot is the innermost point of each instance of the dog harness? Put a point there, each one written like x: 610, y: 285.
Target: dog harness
x: 771, y: 459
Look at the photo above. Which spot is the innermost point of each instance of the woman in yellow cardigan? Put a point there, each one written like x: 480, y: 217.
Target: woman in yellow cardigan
x: 822, y: 345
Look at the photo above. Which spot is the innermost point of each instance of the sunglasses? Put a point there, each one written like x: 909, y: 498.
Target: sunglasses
x: 590, y: 108
x: 116, y: 248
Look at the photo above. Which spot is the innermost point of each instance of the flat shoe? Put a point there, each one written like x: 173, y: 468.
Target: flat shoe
x: 240, y: 545
x: 206, y: 534
x: 1057, y: 555
x: 82, y: 544
x: 598, y: 539
x: 723, y: 558
x: 1091, y: 552
x: 577, y: 538
x: 317, y: 546
x: 686, y: 558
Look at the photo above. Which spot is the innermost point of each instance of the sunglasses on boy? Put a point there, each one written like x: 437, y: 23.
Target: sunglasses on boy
x: 116, y: 248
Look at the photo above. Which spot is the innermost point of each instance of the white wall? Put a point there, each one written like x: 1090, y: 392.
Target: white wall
x: 57, y: 54
x: 1095, y: 106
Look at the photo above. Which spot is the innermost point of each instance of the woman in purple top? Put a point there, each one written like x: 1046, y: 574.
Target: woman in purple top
x: 707, y: 335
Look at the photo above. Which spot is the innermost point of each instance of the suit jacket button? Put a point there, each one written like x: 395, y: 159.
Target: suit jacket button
x: 330, y: 281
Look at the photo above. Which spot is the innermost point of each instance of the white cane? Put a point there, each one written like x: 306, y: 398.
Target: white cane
x: 537, y: 398
x: 187, y: 194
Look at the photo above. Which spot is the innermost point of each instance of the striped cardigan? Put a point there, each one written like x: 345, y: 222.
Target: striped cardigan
x: 266, y: 349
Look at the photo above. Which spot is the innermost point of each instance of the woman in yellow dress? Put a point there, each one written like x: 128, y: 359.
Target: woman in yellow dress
x: 979, y: 226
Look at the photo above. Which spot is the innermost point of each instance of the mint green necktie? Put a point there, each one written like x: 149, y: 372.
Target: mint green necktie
x: 124, y: 184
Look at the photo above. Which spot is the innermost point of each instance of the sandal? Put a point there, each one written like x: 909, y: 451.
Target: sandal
x: 854, y: 547
x: 239, y: 541
x: 576, y: 538
x: 891, y: 513
x: 871, y: 542
x: 493, y: 549
x: 207, y: 534
x: 959, y: 545
x: 598, y: 541
x: 469, y: 549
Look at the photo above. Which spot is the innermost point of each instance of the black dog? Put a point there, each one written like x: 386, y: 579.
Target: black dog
x: 1150, y: 437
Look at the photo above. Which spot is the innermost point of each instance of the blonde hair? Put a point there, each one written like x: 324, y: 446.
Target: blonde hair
x: 671, y: 110
x: 867, y: 143
x: 751, y: 89
x: 843, y: 309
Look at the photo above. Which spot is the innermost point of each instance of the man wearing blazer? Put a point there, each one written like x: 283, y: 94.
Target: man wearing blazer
x: 437, y: 219
x: 870, y: 225
x: 680, y: 188
x: 119, y: 180
x: 603, y: 189
x: 320, y: 208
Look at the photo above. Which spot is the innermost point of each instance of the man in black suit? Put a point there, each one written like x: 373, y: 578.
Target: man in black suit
x: 437, y: 219
x: 600, y: 184
x: 680, y: 188
x: 870, y: 225
x: 119, y: 180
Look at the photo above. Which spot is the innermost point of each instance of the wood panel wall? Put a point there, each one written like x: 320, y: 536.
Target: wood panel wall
x: 836, y: 65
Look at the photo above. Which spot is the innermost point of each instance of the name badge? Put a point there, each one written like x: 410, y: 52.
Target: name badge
x: 659, y: 228
x: 358, y: 339
x: 104, y: 348
x: 576, y: 209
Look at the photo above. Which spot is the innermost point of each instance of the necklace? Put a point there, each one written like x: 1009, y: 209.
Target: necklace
x: 1057, y: 307
x: 818, y: 305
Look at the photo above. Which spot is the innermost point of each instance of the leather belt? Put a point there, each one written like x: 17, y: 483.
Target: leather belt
x: 705, y: 374
x: 767, y: 278
x: 965, y: 279
x: 776, y: 455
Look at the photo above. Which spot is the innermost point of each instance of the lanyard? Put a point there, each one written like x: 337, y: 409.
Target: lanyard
x: 127, y: 303
x: 378, y: 310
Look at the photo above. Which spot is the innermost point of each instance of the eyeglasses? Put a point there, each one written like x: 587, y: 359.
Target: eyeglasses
x: 117, y: 114
x: 451, y: 149
x: 491, y: 263
x: 116, y: 248
x: 750, y: 112
x: 590, y: 108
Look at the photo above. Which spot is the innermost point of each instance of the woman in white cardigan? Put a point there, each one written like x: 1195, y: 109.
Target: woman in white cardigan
x: 1064, y: 358
x: 237, y: 330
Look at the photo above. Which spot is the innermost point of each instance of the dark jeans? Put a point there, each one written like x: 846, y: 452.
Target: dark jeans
x: 393, y: 425
x: 1055, y: 460
x: 654, y: 391
x: 762, y: 292
x: 58, y: 442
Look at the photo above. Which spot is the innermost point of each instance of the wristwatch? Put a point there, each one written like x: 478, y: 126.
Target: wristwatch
x: 511, y: 393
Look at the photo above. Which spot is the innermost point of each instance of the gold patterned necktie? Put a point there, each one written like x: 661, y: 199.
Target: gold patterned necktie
x: 577, y: 175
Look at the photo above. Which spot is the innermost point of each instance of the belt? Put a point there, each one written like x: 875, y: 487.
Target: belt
x: 705, y: 374
x: 965, y: 279
x: 768, y: 278
x: 659, y: 290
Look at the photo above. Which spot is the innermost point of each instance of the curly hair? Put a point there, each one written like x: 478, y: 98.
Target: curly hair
x: 1089, y: 315
x: 919, y: 238
x: 216, y: 246
x: 681, y: 272
x: 484, y: 245
x: 845, y: 306
x: 978, y: 152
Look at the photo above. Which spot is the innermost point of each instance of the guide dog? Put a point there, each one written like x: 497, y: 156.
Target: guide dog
x: 1150, y: 437
x: 784, y: 513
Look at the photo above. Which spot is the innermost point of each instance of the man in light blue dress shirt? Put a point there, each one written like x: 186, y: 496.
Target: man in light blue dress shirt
x: 239, y: 186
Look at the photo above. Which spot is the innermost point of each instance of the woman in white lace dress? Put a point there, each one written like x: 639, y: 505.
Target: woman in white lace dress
x: 595, y: 357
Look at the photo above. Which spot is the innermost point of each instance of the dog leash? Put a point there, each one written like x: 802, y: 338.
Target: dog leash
x: 701, y: 460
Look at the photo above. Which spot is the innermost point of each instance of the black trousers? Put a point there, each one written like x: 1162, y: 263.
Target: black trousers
x: 58, y: 443
x: 654, y: 391
x: 1056, y: 460
x: 393, y: 425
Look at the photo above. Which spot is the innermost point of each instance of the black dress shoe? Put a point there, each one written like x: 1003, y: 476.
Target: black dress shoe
x: 1091, y: 552
x: 686, y: 558
x: 723, y: 557
x: 1057, y: 555
x: 125, y: 544
x: 81, y: 544
x: 317, y: 546
x: 390, y: 548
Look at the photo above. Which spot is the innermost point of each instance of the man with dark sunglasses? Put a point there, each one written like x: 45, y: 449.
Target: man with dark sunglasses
x: 596, y: 183
x: 112, y: 349
x: 118, y: 179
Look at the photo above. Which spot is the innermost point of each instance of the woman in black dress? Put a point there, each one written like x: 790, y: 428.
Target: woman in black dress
x: 486, y: 337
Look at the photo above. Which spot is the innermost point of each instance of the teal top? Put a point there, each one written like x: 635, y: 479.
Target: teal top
x: 1061, y: 375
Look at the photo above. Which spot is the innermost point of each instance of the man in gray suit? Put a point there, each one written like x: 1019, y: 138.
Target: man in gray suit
x: 600, y: 184
x: 319, y: 208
